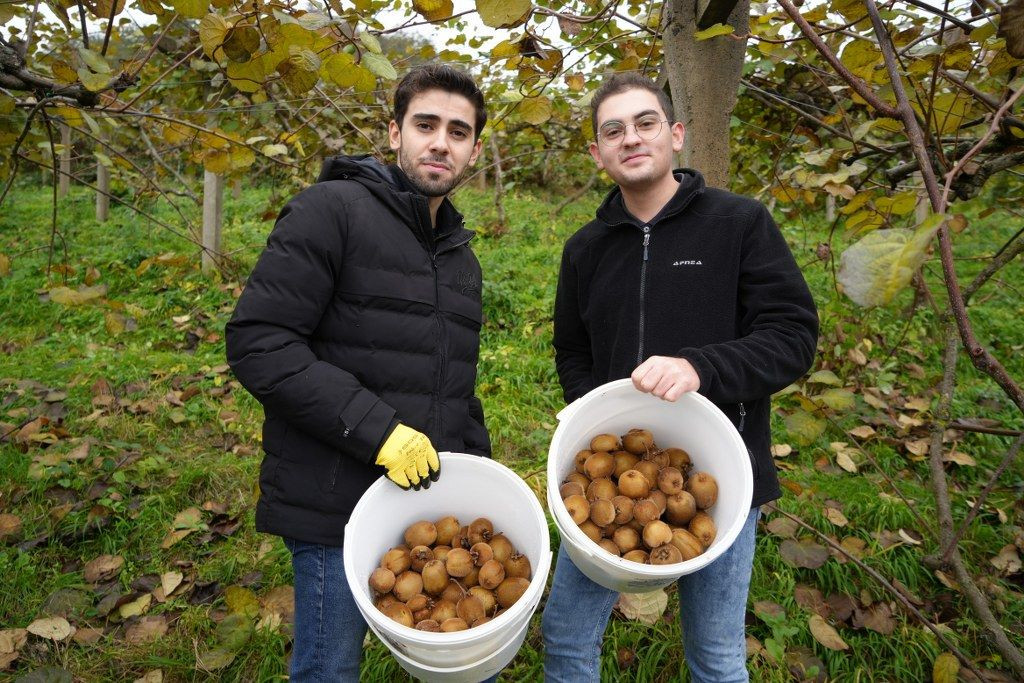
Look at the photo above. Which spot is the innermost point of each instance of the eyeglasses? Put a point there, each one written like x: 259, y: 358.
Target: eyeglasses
x: 647, y: 128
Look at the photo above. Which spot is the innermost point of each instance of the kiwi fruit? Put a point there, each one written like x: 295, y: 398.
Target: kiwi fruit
x: 605, y: 442
x: 510, y: 590
x: 472, y: 578
x: 688, y: 544
x: 680, y: 508
x: 461, y: 540
x: 623, y: 509
x: 420, y: 606
x: 419, y: 556
x: 639, y: 556
x: 571, y: 488
x: 435, y: 577
x: 638, y: 441
x: 602, y: 512
x: 470, y: 609
x: 407, y: 584
x: 581, y: 479
x: 602, y: 488
x: 644, y: 512
x: 679, y: 459
x: 453, y: 592
x: 670, y: 481
x: 657, y: 533
x: 421, y: 533
x: 481, y: 554
x: 578, y: 508
x: 486, y: 598
x: 382, y: 580
x: 626, y: 539
x: 400, y: 613
x: 443, y: 609
x: 633, y: 484
x: 396, y: 560
x: 458, y: 563
x: 385, y: 602
x: 581, y: 459
x: 703, y: 527
x: 609, y: 546
x: 659, y: 499
x: 624, y: 460
x: 481, y: 530
x: 446, y: 527
x: 659, y: 458
x: 441, y: 552
x: 428, y: 625
x: 666, y: 554
x: 501, y: 547
x: 591, y: 530
x: 650, y: 470
x: 491, y: 575
x: 599, y: 466
x: 608, y: 530
x: 704, y: 489
x: 453, y: 624
x: 517, y: 566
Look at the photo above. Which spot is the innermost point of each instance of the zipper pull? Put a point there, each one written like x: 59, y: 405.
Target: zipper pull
x: 647, y: 239
x: 743, y: 417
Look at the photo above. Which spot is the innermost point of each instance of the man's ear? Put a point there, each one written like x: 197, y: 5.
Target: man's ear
x: 678, y: 136
x: 596, y: 153
x: 394, y: 135
x: 477, y: 148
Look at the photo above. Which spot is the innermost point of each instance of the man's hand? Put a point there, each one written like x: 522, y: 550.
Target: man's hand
x: 665, y: 377
x: 409, y: 458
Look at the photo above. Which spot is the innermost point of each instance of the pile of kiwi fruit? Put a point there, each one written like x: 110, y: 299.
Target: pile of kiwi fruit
x: 641, y: 502
x: 448, y: 577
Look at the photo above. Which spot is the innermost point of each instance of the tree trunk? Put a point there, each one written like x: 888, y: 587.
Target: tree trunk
x: 213, y: 202
x: 704, y: 77
x: 499, y: 183
x: 481, y: 163
x: 64, y: 182
x: 103, y: 192
x: 830, y: 207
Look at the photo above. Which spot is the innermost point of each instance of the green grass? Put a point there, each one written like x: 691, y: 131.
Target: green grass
x: 152, y: 459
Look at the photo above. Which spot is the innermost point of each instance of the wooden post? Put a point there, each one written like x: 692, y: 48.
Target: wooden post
x: 213, y: 204
x: 481, y: 163
x: 830, y: 207
x: 102, y: 192
x: 64, y: 182
x: 236, y: 189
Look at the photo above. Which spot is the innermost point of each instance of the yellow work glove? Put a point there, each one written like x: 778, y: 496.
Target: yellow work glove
x: 409, y: 458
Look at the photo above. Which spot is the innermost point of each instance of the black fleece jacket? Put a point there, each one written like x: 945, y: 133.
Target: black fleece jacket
x: 709, y: 279
x: 357, y: 315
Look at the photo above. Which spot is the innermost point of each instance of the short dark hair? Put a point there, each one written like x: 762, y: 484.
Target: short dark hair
x: 440, y: 77
x: 621, y: 82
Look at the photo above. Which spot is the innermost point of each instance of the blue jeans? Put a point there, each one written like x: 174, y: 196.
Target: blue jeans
x: 329, y: 630
x: 712, y: 606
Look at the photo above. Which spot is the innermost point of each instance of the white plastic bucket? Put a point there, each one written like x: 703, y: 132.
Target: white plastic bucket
x: 469, y: 487
x: 692, y: 423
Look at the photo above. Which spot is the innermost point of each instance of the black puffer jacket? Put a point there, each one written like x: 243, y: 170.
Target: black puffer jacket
x: 357, y: 315
x: 709, y: 279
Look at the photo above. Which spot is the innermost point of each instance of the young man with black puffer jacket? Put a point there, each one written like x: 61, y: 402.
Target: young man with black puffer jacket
x: 681, y: 287
x: 359, y: 332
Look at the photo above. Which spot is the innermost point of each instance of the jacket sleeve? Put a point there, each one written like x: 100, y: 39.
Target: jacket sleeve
x: 778, y: 323
x: 476, y: 439
x: 574, y: 359
x: 268, y: 335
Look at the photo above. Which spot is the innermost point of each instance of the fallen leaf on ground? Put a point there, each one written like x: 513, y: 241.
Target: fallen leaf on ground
x: 646, y: 608
x: 826, y: 634
x: 51, y: 628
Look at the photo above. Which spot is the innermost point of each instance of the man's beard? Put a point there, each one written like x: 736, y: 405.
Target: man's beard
x: 426, y: 182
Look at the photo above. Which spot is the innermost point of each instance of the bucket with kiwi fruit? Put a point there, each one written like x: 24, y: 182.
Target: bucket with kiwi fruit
x: 643, y: 490
x: 448, y: 577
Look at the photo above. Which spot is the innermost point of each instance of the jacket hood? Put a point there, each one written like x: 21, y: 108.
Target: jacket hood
x: 613, y: 210
x: 392, y: 187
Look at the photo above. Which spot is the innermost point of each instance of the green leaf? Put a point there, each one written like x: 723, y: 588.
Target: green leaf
x: 825, y: 377
x: 247, y: 76
x: 339, y: 69
x: 380, y: 66
x: 535, y: 110
x: 370, y: 42
x: 837, y: 399
x: 945, y: 668
x: 804, y: 427
x: 881, y: 264
x: 503, y: 13
x: 94, y: 61
x: 193, y: 9
x: 6, y: 104
x: 713, y: 31
x: 212, y: 31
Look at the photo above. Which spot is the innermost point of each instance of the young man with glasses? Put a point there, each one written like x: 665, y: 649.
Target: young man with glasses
x: 682, y: 287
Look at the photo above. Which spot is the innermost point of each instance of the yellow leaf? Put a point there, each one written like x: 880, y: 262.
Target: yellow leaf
x: 51, y: 628
x: 76, y: 297
x: 574, y: 81
x: 945, y: 668
x: 213, y: 29
x: 434, y: 10
x: 5, y: 265
x: 247, y: 76
x: 503, y: 13
x: 135, y: 607
x: 193, y: 9
x: 241, y: 600
x: 63, y: 73
x: 804, y: 427
x: 712, y: 31
x: 844, y: 460
x: 169, y: 581
x: 825, y: 634
x: 836, y: 516
x: 93, y: 82
x: 535, y: 110
x: 505, y: 49
x: 114, y: 323
x: 646, y: 608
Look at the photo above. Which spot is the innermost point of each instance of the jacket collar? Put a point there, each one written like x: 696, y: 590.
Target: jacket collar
x: 613, y: 212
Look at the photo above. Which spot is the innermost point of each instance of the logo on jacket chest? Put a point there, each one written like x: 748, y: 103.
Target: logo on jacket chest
x: 468, y: 283
x: 696, y: 262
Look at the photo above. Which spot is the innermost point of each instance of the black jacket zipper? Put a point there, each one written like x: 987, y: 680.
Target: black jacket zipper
x: 643, y: 287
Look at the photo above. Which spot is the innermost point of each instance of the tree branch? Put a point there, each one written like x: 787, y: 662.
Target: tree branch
x: 1007, y: 253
